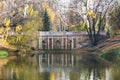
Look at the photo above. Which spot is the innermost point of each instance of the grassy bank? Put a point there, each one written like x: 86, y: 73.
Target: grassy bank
x: 111, y: 55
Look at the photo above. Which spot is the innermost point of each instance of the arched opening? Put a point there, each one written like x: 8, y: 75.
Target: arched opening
x: 43, y: 44
x: 57, y: 44
x: 69, y: 44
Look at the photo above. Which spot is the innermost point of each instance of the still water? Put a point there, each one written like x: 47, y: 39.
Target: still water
x: 57, y: 67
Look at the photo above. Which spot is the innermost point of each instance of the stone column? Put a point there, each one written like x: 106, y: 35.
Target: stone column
x: 72, y: 42
x: 76, y: 42
x: 48, y: 43
x: 66, y: 42
x: 52, y: 42
x: 62, y: 46
x: 40, y: 43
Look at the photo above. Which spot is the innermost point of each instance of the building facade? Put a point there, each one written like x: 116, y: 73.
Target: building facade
x: 60, y: 40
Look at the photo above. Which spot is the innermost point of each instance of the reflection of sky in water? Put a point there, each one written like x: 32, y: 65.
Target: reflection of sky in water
x: 63, y: 67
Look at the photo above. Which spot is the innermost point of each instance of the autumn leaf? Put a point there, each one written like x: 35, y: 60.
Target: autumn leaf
x: 3, y: 40
x: 18, y: 28
x: 1, y: 5
x: 92, y: 14
x: 31, y: 11
x: 1, y: 31
x: 7, y: 23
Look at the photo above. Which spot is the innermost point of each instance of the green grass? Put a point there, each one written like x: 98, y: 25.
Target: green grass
x: 112, y: 55
x: 3, y: 54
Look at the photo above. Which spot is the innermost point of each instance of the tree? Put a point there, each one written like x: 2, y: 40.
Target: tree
x: 4, y: 31
x: 114, y: 20
x: 22, y: 39
x: 46, y: 21
x: 95, y: 19
x: 94, y: 12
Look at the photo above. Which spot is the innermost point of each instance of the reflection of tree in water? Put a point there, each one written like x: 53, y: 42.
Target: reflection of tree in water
x: 94, y: 73
x: 89, y: 74
x: 28, y: 69
x: 46, y: 76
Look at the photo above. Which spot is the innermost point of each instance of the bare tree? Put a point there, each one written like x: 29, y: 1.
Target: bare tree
x: 94, y: 13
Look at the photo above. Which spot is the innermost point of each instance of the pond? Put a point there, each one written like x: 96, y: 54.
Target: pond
x: 57, y: 67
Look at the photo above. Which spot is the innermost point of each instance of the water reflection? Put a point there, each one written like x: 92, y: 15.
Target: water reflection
x: 57, y: 59
x: 56, y: 67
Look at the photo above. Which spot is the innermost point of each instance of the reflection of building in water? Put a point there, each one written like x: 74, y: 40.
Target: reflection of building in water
x: 56, y: 67
x: 61, y: 40
x: 64, y: 67
x: 57, y: 59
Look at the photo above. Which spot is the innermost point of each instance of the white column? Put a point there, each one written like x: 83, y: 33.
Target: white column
x: 63, y: 43
x: 48, y: 43
x: 76, y: 41
x: 62, y: 47
x: 66, y: 42
x: 52, y: 42
x: 72, y: 43
x: 40, y: 43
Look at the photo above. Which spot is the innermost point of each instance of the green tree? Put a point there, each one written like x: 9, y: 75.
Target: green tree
x: 25, y: 36
x: 46, y: 21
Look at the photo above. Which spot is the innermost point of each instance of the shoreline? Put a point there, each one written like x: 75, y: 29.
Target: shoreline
x: 6, y: 60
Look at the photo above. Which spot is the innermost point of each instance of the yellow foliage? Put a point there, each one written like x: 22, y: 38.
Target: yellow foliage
x: 8, y: 28
x: 3, y: 40
x: 7, y: 43
x: 12, y: 13
x: 1, y: 5
x: 52, y: 76
x: 91, y: 14
x: 106, y: 27
x: 50, y: 12
x: 1, y: 31
x: 87, y: 14
x: 31, y: 11
x: 7, y: 23
x: 18, y: 28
